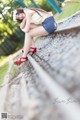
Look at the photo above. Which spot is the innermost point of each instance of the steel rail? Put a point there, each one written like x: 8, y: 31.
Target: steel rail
x: 68, y: 29
x: 56, y: 91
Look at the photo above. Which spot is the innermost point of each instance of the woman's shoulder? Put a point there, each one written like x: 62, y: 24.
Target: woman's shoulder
x: 29, y: 10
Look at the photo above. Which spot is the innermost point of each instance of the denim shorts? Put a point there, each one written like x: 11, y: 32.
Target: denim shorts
x: 49, y: 24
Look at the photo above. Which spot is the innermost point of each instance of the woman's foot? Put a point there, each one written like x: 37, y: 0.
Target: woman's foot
x: 32, y: 49
x: 21, y: 60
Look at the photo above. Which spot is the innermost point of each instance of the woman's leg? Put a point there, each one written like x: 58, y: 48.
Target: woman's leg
x: 32, y: 26
x: 38, y: 31
x: 27, y: 44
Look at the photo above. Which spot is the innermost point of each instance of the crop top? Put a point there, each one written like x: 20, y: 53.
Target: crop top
x: 39, y: 18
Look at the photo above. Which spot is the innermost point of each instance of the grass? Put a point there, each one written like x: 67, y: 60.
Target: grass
x: 4, y: 66
x: 2, y: 58
x: 14, y: 71
x: 69, y: 10
x: 3, y: 70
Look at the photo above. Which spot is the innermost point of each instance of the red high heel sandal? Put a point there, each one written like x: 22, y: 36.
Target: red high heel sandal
x: 18, y: 62
x: 32, y: 49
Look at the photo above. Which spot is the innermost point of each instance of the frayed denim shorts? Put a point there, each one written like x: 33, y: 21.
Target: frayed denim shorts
x: 49, y: 24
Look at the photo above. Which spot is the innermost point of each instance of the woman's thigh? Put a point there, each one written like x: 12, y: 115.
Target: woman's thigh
x: 38, y: 31
x: 32, y: 26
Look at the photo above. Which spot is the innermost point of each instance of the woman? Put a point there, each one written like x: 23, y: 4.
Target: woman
x: 34, y: 22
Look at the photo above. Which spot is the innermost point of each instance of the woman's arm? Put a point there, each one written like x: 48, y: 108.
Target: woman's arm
x: 28, y: 14
x: 23, y: 23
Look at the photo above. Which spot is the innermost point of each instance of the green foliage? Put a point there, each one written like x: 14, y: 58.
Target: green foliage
x: 45, y: 5
x: 61, y: 0
x: 10, y: 34
x: 39, y: 3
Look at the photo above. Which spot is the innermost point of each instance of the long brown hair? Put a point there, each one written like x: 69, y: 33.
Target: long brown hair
x: 19, y: 10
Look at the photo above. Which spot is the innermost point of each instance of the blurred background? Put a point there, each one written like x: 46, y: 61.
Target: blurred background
x: 11, y: 37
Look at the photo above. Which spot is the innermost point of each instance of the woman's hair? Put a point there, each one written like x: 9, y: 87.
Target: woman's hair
x: 20, y: 10
x: 16, y: 12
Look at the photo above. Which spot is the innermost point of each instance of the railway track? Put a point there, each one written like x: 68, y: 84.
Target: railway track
x: 54, y: 95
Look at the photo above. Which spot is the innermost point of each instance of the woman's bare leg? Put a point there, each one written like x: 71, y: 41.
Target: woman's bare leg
x: 38, y: 31
x: 27, y: 44
x: 32, y: 26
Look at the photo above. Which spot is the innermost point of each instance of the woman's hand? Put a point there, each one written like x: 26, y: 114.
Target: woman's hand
x: 28, y: 15
x: 23, y: 23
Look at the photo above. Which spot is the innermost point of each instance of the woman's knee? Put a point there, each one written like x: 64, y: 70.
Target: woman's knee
x: 30, y: 34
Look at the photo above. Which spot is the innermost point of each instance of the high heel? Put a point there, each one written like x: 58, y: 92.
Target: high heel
x: 32, y: 49
x: 21, y: 60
